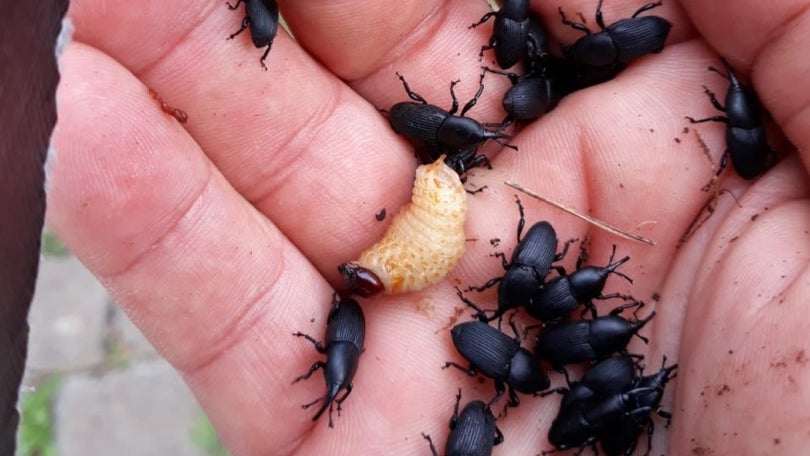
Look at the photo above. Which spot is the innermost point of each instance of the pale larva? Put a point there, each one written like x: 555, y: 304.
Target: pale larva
x: 424, y: 241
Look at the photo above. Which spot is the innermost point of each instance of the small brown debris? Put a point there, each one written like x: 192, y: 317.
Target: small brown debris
x: 178, y: 114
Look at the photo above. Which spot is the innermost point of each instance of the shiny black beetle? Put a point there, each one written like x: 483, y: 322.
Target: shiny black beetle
x: 525, y: 272
x: 435, y: 131
x: 345, y: 332
x: 589, y: 340
x: 620, y: 437
x: 746, y: 141
x: 562, y: 295
x: 621, y: 41
x: 531, y: 95
x: 498, y: 357
x: 262, y: 17
x: 473, y: 432
x: 510, y: 33
x: 609, y: 376
x: 582, y: 423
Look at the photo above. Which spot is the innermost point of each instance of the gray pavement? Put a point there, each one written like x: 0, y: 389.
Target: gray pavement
x: 116, y: 395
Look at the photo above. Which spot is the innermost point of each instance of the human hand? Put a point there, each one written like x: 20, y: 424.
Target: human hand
x: 221, y: 237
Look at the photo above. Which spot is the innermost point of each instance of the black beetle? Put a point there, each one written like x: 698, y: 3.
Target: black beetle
x: 530, y: 96
x: 562, y: 295
x: 536, y: 45
x: 581, y: 424
x: 498, y: 357
x: 588, y: 340
x: 472, y: 433
x: 262, y: 17
x: 436, y: 131
x: 510, y: 33
x: 620, y: 436
x: 530, y: 264
x: 746, y: 142
x: 620, y: 42
x: 345, y: 332
x: 609, y: 376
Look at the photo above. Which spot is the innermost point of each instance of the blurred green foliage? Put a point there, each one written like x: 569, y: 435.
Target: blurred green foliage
x: 36, y: 434
x: 205, y: 437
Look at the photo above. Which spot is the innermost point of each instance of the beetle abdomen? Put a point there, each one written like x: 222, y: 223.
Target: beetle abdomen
x: 639, y: 36
x: 426, y: 238
x: 416, y: 121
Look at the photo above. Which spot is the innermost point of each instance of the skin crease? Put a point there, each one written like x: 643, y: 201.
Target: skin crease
x: 221, y: 237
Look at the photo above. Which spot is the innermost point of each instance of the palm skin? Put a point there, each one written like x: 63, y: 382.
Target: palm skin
x: 222, y: 238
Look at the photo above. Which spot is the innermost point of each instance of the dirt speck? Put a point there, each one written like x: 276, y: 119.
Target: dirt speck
x: 495, y: 242
x: 425, y: 306
x: 457, y: 311
x: 380, y: 216
x: 801, y: 357
x: 678, y: 140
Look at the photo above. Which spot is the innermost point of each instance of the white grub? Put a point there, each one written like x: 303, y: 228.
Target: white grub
x: 426, y: 238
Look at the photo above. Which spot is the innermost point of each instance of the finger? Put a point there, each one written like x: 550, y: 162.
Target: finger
x: 746, y: 293
x: 315, y: 167
x: 212, y: 284
x: 765, y: 39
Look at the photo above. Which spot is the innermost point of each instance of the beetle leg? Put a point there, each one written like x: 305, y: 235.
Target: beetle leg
x: 264, y: 56
x: 343, y: 398
x: 514, y: 400
x: 498, y: 437
x: 650, y: 430
x: 485, y: 286
x: 474, y: 99
x: 531, y: 327
x: 722, y: 165
x: 487, y: 47
x: 564, y: 252
x: 599, y: 21
x: 521, y: 225
x: 573, y: 25
x: 708, y: 119
x: 646, y: 7
x: 637, y: 304
x: 312, y: 369
x: 724, y: 75
x: 583, y: 252
x: 315, y: 342
x: 432, y: 448
x: 310, y: 404
x: 454, y: 106
x: 514, y: 328
x: 589, y: 307
x: 480, y: 313
x: 513, y: 77
x: 558, y: 390
x: 454, y: 418
x: 473, y: 192
x: 413, y: 95
x: 485, y: 18
x: 499, y: 390
x: 233, y: 7
x: 713, y: 99
x: 245, y: 23
x: 467, y: 370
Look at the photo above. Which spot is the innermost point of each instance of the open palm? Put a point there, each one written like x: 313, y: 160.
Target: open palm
x: 221, y: 237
